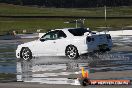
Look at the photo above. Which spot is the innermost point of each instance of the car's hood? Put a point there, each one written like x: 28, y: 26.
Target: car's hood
x: 28, y: 44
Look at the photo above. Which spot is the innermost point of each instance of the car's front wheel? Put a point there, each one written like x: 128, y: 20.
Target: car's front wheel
x: 72, y: 52
x: 26, y: 54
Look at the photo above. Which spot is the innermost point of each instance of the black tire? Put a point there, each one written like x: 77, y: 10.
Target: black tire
x: 85, y: 82
x: 102, y: 51
x: 26, y: 54
x: 71, y: 52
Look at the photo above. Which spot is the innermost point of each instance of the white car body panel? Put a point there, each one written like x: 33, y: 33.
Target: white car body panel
x: 57, y: 47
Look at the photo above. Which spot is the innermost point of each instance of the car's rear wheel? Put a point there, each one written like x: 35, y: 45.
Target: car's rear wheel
x: 72, y: 52
x: 26, y: 54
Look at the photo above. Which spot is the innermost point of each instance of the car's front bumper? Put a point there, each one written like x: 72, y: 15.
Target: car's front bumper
x: 18, y: 52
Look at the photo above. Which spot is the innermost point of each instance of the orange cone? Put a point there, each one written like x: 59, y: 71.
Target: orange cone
x: 84, y: 73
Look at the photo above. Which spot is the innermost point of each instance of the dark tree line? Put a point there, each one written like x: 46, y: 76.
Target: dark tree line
x: 70, y: 3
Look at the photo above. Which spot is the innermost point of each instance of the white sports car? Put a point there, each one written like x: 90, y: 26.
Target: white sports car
x: 70, y: 42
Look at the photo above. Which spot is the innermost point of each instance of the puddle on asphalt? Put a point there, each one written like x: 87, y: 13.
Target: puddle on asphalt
x: 7, y: 58
x: 122, y: 40
x: 51, y: 72
x: 49, y: 69
x: 7, y: 69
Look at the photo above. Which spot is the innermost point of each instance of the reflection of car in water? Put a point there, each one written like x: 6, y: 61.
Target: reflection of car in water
x: 70, y: 42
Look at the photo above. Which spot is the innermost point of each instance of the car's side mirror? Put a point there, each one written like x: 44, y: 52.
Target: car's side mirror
x: 42, y: 40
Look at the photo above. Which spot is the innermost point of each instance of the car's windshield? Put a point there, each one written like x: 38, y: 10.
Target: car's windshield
x: 78, y: 31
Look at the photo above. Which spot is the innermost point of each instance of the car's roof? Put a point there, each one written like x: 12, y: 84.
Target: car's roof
x: 65, y: 28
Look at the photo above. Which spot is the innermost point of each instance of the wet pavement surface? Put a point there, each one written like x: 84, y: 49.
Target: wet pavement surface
x: 7, y: 58
x: 53, y: 69
x: 35, y: 85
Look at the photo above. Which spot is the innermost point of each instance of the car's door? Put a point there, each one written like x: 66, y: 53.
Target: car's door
x: 60, y: 43
x: 46, y: 45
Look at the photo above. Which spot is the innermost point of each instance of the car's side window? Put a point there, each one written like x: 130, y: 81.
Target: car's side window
x: 61, y: 34
x: 47, y: 36
x: 50, y: 36
x: 53, y: 35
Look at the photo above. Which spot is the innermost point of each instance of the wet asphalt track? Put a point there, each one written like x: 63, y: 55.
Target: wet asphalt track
x: 118, y: 60
x: 36, y: 85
